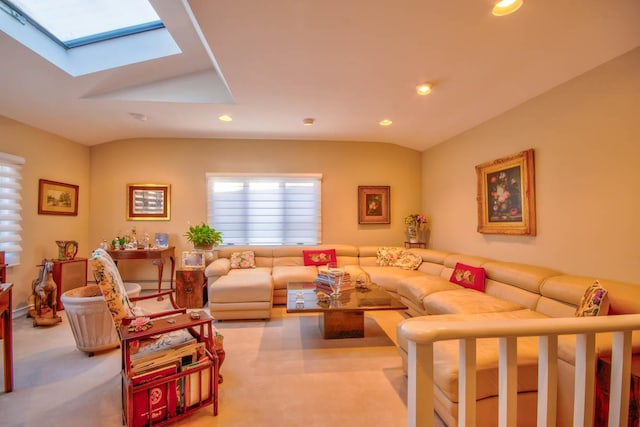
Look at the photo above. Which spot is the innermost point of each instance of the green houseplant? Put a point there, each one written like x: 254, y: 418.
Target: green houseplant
x: 203, y: 237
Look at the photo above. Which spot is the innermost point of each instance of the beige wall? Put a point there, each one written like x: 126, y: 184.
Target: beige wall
x: 586, y: 136
x: 183, y: 163
x: 50, y: 157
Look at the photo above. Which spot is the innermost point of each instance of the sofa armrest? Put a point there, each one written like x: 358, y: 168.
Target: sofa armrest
x: 219, y: 267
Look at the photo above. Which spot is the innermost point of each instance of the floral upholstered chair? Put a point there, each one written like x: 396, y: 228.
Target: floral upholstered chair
x: 122, y: 307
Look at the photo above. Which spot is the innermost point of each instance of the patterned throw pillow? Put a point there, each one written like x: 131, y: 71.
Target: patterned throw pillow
x: 388, y: 256
x: 244, y: 259
x: 319, y: 257
x: 468, y: 276
x: 108, y: 277
x: 594, y: 302
x: 408, y: 261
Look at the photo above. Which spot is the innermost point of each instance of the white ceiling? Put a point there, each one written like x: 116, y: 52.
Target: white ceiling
x: 348, y: 64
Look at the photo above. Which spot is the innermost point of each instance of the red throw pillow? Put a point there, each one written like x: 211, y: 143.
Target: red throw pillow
x: 319, y: 257
x: 469, y: 277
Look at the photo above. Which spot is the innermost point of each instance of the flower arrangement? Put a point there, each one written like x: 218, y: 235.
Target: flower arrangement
x: 415, y: 219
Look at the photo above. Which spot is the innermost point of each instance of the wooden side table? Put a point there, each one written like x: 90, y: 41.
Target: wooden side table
x: 69, y: 274
x: 155, y: 255
x: 189, y: 288
x: 422, y: 245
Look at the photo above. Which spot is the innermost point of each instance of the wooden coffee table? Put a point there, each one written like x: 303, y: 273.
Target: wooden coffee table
x: 342, y: 317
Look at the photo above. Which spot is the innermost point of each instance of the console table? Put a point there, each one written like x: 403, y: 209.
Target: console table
x: 155, y: 255
x: 5, y: 315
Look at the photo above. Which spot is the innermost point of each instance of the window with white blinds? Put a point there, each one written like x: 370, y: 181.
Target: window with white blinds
x: 265, y: 209
x: 10, y: 207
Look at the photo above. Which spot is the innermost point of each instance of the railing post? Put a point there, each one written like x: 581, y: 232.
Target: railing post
x: 583, y: 407
x: 620, y: 379
x: 420, y: 381
x: 547, y: 380
x: 508, y: 380
x: 467, y: 382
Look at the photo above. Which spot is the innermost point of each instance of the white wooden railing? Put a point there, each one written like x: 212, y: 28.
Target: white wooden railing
x: 423, y: 334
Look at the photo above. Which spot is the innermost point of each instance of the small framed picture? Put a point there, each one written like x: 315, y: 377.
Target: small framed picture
x: 161, y: 240
x: 192, y: 260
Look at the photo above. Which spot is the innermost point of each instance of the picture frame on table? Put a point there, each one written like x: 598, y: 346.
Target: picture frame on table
x: 148, y: 202
x: 506, y: 195
x: 57, y: 198
x: 374, y: 204
x: 193, y: 260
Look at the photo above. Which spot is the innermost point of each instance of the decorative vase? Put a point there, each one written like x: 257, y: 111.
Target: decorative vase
x: 412, y: 233
x: 67, y: 249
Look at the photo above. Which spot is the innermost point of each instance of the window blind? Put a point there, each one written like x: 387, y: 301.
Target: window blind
x: 265, y: 209
x: 11, y: 207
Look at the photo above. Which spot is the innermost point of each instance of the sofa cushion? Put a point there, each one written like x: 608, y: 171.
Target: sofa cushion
x: 594, y: 302
x: 319, y: 257
x: 235, y: 289
x: 388, y: 277
x: 243, y: 259
x: 416, y: 288
x: 283, y: 275
x: 466, y: 301
x: 468, y: 276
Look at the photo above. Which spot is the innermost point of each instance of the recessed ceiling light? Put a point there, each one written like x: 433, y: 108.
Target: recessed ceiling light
x: 139, y: 116
x: 225, y: 118
x: 506, y: 7
x: 423, y: 88
x: 385, y: 122
x: 308, y: 121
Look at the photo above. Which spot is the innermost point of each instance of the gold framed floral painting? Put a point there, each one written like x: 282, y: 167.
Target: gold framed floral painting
x: 506, y: 195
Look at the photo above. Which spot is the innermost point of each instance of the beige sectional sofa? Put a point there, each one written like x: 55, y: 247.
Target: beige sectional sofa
x: 512, y: 291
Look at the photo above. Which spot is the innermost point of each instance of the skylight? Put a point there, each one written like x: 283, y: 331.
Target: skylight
x: 73, y: 23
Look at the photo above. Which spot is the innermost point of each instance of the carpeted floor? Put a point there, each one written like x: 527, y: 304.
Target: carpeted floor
x: 276, y: 373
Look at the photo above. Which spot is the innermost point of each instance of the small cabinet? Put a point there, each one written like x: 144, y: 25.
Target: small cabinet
x: 189, y: 288
x: 69, y: 274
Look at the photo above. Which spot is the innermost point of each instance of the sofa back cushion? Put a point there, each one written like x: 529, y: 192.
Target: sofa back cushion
x: 524, y: 276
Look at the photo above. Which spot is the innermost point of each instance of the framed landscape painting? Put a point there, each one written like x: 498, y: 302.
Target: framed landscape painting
x: 374, y: 204
x: 506, y: 195
x: 57, y: 198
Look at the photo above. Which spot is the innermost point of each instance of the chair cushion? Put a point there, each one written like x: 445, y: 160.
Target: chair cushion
x: 111, y: 286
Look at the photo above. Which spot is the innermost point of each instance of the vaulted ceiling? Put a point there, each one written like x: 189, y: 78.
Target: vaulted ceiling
x: 347, y: 64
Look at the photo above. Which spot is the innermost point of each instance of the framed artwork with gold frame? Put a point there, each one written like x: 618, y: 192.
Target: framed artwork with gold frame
x: 506, y: 195
x: 374, y: 204
x: 148, y: 202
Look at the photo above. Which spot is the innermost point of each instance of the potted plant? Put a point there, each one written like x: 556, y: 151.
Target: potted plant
x: 203, y: 237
